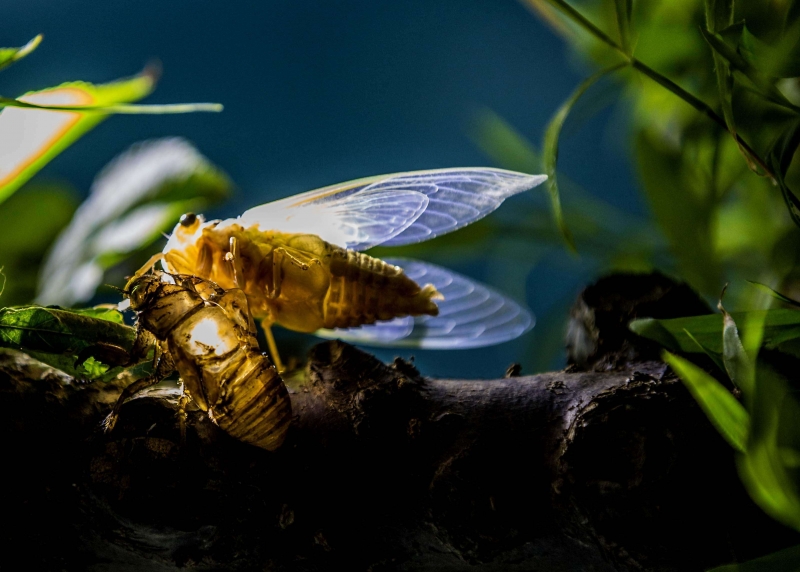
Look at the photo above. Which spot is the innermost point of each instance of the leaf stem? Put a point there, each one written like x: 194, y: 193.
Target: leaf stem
x: 119, y: 109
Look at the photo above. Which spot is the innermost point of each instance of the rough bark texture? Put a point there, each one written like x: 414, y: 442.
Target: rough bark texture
x: 382, y: 470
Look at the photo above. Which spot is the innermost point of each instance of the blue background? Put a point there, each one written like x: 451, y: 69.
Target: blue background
x: 322, y: 92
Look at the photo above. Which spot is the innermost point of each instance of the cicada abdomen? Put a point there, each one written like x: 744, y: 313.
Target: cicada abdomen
x: 364, y: 289
x: 209, y: 335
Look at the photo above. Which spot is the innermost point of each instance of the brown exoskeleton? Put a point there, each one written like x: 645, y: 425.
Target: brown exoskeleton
x: 207, y: 334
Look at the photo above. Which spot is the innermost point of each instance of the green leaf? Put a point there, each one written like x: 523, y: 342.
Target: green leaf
x: 67, y: 339
x: 10, y: 55
x: 775, y: 294
x: 48, y: 133
x: 550, y: 150
x: 139, y: 195
x: 786, y: 560
x: 624, y: 10
x: 780, y: 326
x: 722, y: 409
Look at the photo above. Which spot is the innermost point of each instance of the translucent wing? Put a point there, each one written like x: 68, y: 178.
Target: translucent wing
x: 397, y: 209
x: 471, y: 315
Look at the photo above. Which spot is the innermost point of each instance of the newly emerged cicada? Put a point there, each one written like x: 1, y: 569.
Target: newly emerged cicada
x: 208, y: 335
x: 300, y: 263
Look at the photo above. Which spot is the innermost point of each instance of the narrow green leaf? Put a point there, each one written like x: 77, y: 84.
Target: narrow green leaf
x: 779, y: 326
x: 715, y: 357
x: 775, y: 294
x: 48, y: 133
x: 737, y: 362
x: 10, y: 55
x: 505, y: 145
x: 722, y: 409
x: 624, y: 10
x: 550, y: 150
x: 786, y: 560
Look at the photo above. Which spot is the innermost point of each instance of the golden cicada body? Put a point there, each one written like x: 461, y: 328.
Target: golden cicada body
x: 207, y: 334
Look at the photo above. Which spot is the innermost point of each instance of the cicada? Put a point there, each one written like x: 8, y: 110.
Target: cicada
x: 301, y: 265
x: 208, y: 335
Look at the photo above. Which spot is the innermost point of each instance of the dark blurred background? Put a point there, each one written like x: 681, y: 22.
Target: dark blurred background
x: 321, y: 92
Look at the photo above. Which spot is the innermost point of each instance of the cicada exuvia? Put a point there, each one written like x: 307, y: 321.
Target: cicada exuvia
x: 300, y: 263
x: 208, y: 335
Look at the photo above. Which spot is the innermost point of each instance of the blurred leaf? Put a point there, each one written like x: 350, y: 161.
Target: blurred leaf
x: 779, y: 327
x: 775, y: 415
x: 550, y: 150
x: 10, y: 55
x: 65, y: 339
x: 779, y: 58
x: 137, y: 196
x: 30, y: 221
x: 719, y: 14
x: 720, y: 406
x: 682, y: 201
x: 503, y: 144
x: 732, y: 57
x: 787, y: 560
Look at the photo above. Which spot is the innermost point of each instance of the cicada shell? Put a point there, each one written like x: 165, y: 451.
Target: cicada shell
x: 207, y: 334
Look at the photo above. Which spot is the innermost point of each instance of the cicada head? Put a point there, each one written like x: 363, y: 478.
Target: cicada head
x: 143, y: 290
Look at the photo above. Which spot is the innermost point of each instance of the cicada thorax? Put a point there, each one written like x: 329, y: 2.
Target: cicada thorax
x: 209, y: 335
x: 301, y: 281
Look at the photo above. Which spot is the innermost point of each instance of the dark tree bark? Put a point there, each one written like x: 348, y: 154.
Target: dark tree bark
x: 383, y: 469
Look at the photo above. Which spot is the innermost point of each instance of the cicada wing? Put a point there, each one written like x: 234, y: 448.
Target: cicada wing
x: 471, y: 315
x: 396, y: 209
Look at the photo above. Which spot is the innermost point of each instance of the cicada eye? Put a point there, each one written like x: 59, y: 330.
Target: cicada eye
x: 188, y: 219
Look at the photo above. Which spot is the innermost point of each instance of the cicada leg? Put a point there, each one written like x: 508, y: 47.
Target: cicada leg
x: 162, y: 367
x: 266, y: 325
x: 294, y: 257
x: 236, y: 263
x: 147, y: 266
x: 238, y: 279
